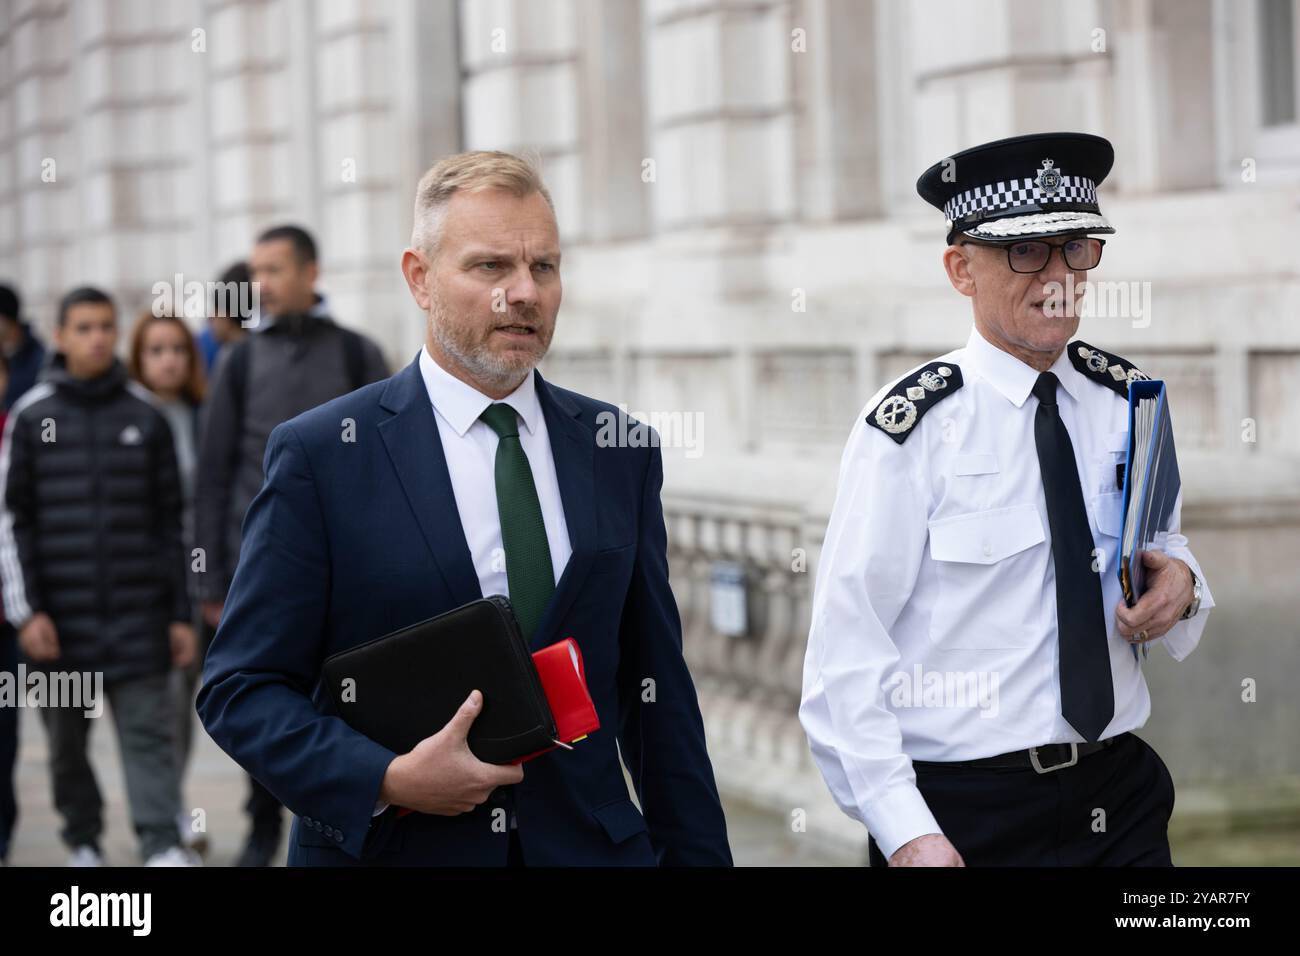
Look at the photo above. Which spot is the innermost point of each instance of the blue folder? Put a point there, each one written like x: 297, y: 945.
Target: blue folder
x: 1153, y: 484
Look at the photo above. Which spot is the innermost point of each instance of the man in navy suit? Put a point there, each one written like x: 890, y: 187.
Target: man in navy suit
x: 463, y: 475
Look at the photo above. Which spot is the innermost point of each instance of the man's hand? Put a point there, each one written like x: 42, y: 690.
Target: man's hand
x: 441, y: 775
x: 38, y: 638
x: 184, y: 644
x: 932, y: 849
x: 212, y: 612
x: 1169, y: 591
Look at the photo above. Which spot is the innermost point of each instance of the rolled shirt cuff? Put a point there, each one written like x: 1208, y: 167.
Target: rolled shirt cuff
x: 1183, y: 637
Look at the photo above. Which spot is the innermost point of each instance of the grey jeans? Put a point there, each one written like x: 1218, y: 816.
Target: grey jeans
x: 145, y: 724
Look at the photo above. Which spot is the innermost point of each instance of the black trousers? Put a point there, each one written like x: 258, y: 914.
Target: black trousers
x: 262, y: 808
x: 141, y: 708
x: 1112, y: 808
x: 515, y: 854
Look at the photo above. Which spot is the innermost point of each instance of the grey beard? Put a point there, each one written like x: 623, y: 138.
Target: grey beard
x: 480, y: 362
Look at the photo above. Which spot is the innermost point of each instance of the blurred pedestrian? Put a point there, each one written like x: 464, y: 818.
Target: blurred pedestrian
x: 8, y: 715
x: 295, y: 358
x: 224, y: 327
x: 94, y: 575
x: 165, y: 359
x: 20, y: 346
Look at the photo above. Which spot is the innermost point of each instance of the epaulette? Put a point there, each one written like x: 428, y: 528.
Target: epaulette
x: 1104, y: 368
x: 913, y: 396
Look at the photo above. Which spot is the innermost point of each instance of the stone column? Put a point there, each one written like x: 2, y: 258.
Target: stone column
x: 260, y: 154
x: 839, y: 171
x: 1163, y: 52
x: 520, y: 94
x: 39, y: 153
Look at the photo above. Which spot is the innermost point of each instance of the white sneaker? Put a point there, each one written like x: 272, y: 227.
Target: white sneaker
x: 85, y: 856
x: 174, y: 856
x: 196, y: 842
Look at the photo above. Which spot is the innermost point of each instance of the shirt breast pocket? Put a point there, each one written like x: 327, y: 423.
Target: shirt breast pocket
x: 1108, y: 510
x: 1113, y: 454
x: 987, y: 563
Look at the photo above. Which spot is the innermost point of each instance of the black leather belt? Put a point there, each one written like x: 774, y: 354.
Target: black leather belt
x: 1043, y: 759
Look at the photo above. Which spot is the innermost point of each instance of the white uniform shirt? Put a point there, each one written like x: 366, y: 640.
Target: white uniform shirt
x: 934, y: 632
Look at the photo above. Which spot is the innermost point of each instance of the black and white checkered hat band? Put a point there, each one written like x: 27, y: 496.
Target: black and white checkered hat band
x: 1018, y: 192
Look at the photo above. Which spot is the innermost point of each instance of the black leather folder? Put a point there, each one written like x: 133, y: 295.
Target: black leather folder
x: 405, y: 686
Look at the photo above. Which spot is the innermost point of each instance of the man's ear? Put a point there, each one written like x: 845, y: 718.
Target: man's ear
x: 416, y: 271
x: 957, y: 264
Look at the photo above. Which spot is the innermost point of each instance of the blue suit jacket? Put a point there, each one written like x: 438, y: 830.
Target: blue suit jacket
x: 349, y: 540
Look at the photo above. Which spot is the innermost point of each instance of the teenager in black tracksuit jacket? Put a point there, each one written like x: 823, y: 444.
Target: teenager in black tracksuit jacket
x: 90, y: 536
x: 95, y: 522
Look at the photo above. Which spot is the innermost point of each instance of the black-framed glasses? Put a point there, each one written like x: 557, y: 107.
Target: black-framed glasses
x: 1032, y: 255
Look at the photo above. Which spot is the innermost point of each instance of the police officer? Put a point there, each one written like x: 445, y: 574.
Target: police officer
x: 970, y: 685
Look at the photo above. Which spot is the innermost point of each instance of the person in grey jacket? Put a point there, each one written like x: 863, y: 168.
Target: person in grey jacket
x: 296, y: 358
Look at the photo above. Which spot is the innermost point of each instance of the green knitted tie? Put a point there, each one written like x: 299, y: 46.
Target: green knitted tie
x: 528, y: 554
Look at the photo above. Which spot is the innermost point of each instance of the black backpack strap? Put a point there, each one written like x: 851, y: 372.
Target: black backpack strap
x: 237, y: 372
x: 354, y: 358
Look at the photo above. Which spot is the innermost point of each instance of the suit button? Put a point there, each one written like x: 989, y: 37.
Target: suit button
x: 306, y: 821
x: 338, y: 836
x: 317, y: 825
x: 329, y: 831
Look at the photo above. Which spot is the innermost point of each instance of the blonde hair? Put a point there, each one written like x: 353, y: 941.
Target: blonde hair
x: 480, y: 169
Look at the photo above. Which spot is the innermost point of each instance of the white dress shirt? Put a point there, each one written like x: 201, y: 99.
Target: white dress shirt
x: 470, y: 446
x: 934, y: 632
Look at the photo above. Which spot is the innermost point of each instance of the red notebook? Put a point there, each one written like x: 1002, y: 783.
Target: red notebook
x: 564, y: 681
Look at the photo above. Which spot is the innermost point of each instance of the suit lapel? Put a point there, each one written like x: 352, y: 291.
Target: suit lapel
x: 573, y: 448
x: 415, y: 448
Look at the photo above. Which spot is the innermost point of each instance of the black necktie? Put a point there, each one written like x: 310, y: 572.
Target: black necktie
x: 1087, y: 694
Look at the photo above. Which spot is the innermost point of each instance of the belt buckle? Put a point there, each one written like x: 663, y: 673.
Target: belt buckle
x: 1074, y: 758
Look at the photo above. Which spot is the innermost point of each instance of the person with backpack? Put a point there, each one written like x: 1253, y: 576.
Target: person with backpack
x: 296, y: 357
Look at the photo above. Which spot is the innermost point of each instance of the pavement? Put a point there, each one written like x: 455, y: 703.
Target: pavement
x: 217, y: 787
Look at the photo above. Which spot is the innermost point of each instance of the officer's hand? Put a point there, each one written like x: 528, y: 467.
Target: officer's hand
x: 442, y: 775
x: 933, y: 849
x: 1169, y: 591
x: 39, y: 639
